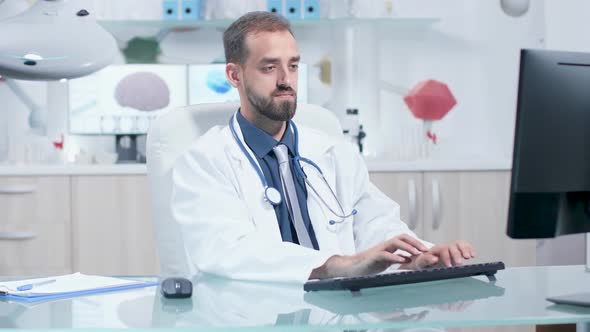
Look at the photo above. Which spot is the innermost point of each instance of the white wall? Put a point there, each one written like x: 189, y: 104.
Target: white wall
x: 567, y: 25
x: 474, y: 49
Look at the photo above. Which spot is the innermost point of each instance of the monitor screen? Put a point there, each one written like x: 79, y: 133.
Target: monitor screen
x: 550, y: 189
x: 208, y: 84
x: 124, y: 99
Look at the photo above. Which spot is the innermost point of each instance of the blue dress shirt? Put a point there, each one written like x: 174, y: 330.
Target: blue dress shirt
x: 261, y: 144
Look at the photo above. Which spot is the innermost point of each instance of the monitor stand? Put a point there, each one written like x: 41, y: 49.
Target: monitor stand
x: 580, y: 299
x: 126, y: 149
x: 577, y: 299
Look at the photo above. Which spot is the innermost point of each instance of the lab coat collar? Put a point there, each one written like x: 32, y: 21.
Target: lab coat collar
x: 312, y: 143
x: 259, y: 141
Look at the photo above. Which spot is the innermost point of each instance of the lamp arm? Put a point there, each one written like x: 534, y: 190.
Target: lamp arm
x: 37, y: 114
x: 21, y: 94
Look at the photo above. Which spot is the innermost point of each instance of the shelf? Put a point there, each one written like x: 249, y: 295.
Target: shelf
x: 397, y: 23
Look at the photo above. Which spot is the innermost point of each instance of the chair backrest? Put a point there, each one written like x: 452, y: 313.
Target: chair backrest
x: 168, y: 138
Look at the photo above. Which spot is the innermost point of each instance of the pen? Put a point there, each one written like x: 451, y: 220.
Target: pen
x: 36, y: 284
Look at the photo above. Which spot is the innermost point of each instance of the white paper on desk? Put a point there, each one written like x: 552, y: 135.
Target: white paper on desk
x: 69, y: 283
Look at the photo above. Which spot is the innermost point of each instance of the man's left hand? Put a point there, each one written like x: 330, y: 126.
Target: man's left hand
x: 447, y: 255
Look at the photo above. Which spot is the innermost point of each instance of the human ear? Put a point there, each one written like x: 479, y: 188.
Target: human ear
x: 232, y: 72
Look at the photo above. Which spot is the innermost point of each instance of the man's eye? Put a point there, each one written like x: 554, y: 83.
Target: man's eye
x: 268, y: 68
x: 295, y: 66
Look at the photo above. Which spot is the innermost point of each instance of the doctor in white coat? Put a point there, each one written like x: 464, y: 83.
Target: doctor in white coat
x: 229, y: 208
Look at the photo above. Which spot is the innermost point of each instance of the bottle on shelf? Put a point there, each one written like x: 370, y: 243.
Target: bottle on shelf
x: 352, y: 128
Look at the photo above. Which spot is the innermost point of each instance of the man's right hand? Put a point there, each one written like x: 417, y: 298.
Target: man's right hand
x: 370, y: 261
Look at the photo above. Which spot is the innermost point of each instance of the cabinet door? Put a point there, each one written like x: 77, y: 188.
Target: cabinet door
x: 113, y: 232
x: 35, y: 233
x: 406, y: 190
x: 562, y: 250
x: 473, y: 206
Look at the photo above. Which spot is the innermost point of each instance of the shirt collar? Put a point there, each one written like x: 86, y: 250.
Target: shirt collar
x: 259, y: 141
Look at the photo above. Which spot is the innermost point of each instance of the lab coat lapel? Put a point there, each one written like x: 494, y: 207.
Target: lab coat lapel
x: 317, y: 149
x: 251, y: 189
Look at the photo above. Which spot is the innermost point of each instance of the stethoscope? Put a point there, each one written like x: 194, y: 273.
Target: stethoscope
x: 271, y: 194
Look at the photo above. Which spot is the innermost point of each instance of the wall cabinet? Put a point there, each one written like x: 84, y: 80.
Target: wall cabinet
x: 446, y: 206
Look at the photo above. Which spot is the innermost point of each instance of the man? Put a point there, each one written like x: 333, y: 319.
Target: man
x: 235, y: 226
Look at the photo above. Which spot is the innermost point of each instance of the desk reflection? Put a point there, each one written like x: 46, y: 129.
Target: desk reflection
x: 447, y: 295
x: 224, y: 303
x: 221, y: 302
x: 228, y: 305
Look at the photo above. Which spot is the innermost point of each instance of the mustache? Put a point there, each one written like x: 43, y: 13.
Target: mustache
x: 283, y: 89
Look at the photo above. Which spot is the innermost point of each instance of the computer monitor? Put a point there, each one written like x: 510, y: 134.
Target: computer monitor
x: 123, y: 100
x: 208, y: 84
x: 550, y: 190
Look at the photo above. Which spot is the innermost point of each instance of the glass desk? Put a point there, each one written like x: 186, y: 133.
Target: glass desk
x: 516, y: 298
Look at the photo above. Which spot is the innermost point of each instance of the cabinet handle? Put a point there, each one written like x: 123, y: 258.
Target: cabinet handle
x: 436, y: 205
x: 18, y: 189
x: 18, y: 236
x: 413, y: 212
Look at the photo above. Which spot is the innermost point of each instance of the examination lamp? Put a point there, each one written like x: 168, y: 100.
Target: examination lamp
x: 52, y: 40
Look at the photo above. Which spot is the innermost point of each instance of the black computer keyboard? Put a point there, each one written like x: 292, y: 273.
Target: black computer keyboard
x: 405, y: 277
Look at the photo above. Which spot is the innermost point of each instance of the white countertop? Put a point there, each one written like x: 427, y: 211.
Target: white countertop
x: 376, y: 165
x: 372, y: 164
x: 72, y: 169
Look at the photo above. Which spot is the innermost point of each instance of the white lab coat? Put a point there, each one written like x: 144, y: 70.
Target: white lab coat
x: 229, y: 229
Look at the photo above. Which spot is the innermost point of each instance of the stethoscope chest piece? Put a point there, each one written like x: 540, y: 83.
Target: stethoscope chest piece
x: 272, y: 195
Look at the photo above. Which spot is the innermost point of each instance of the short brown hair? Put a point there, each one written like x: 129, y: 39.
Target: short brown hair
x: 235, y: 35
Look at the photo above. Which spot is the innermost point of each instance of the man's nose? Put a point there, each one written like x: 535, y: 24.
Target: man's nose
x: 284, y: 78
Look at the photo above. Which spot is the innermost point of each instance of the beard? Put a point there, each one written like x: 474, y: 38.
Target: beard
x: 276, y: 111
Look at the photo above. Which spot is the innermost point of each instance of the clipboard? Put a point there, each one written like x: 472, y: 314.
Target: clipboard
x: 67, y: 286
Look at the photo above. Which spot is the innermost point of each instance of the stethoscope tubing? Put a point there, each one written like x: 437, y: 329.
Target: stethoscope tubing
x: 297, y: 165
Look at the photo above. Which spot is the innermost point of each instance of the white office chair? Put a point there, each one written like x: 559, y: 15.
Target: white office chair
x: 168, y: 138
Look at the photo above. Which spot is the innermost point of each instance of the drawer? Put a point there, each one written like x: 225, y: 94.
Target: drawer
x: 35, y: 225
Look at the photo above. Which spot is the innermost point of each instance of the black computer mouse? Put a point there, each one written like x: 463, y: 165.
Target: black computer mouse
x: 177, y: 288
